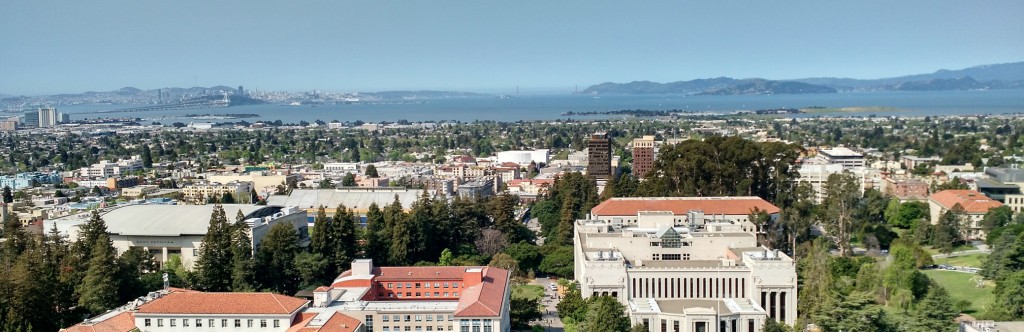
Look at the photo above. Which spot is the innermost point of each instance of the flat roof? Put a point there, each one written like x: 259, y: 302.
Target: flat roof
x: 168, y: 220
x: 356, y: 199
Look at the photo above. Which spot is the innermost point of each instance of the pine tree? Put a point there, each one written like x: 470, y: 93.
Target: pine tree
x: 213, y: 267
x: 8, y: 196
x: 242, y: 277
x: 371, y: 171
x: 605, y: 314
x: 276, y: 259
x: 98, y: 291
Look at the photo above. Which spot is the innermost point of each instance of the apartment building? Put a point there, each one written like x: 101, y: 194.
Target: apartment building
x: 106, y: 168
x: 599, y: 156
x: 679, y: 270
x: 643, y: 155
x: 842, y: 156
x: 201, y: 193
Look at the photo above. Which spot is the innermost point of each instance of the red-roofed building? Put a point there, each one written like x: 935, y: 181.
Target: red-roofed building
x: 420, y: 298
x: 685, y: 209
x: 973, y: 203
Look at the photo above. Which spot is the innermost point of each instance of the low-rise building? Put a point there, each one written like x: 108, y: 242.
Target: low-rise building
x: 842, y: 156
x: 178, y: 230
x: 427, y: 298
x: 138, y: 191
x: 906, y: 189
x: 912, y: 162
x: 356, y: 199
x: 481, y: 187
x: 973, y: 204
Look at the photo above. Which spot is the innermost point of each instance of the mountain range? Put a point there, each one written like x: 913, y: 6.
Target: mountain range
x: 996, y: 76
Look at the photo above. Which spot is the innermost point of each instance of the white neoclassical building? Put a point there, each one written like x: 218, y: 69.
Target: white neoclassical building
x: 687, y: 267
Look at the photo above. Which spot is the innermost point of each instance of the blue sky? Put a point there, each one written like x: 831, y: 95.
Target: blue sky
x: 73, y: 46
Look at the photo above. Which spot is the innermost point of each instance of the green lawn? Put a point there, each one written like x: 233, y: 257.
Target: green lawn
x: 960, y: 287
x: 972, y: 260
x: 528, y: 291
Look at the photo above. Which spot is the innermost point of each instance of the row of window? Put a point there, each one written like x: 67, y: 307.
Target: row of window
x: 418, y: 285
x: 418, y: 294
x: 409, y: 318
x: 417, y: 328
x: 670, y: 257
x: 148, y: 322
x: 689, y: 287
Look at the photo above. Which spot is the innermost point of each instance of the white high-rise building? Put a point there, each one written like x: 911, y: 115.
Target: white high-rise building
x: 47, y: 117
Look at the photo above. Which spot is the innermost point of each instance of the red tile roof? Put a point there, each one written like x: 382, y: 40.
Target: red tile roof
x: 972, y: 201
x: 486, y: 298
x: 223, y: 303
x: 629, y: 206
x: 338, y: 322
x: 419, y: 273
x: 122, y: 322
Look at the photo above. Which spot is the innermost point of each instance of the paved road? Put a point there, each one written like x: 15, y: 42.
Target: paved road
x: 962, y: 253
x: 550, y: 319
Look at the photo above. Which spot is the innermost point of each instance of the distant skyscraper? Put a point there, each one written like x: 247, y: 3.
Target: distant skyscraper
x: 30, y: 119
x: 241, y: 92
x: 643, y: 155
x: 47, y: 117
x: 65, y: 118
x: 600, y: 156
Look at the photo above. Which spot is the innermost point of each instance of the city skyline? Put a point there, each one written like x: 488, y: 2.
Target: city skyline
x: 69, y: 48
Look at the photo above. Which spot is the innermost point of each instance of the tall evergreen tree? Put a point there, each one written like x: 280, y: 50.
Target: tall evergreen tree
x: 605, y: 314
x: 242, y: 274
x: 276, y: 260
x: 213, y: 267
x: 347, y: 246
x: 375, y: 236
x: 99, y: 289
x: 147, y: 156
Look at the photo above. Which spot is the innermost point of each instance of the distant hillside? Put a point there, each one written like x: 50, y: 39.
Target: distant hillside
x: 997, y: 76
x: 710, y: 86
x: 763, y: 87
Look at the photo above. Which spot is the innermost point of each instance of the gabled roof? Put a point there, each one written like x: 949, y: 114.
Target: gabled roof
x: 123, y: 322
x: 338, y: 322
x: 486, y: 298
x: 223, y: 303
x: 630, y: 206
x: 972, y: 201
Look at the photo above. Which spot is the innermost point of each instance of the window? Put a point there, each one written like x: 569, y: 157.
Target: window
x: 224, y: 323
x: 686, y: 257
x: 408, y: 285
x: 655, y: 257
x: 174, y: 322
x: 248, y: 323
x: 408, y: 318
x: 455, y: 294
x: 399, y: 285
x: 263, y: 323
x: 671, y: 257
x: 419, y: 294
x: 446, y: 285
x: 390, y: 285
x: 211, y: 321
x: 184, y: 322
x: 430, y: 318
x: 487, y: 325
x: 436, y: 294
x: 159, y: 322
x: 426, y: 285
x: 455, y: 285
x: 655, y: 244
x: 397, y: 318
x: 408, y: 294
x: 437, y: 285
x: 199, y: 323
x: 238, y: 323
x: 451, y: 317
x: 417, y: 285
x: 195, y: 252
x: 419, y: 318
x: 445, y: 294
x: 148, y: 323
x: 384, y: 318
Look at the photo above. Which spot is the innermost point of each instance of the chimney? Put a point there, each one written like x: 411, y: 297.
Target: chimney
x: 473, y: 276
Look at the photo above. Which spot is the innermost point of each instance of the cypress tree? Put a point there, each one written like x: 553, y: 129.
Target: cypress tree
x: 213, y: 267
x: 323, y: 242
x: 98, y: 291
